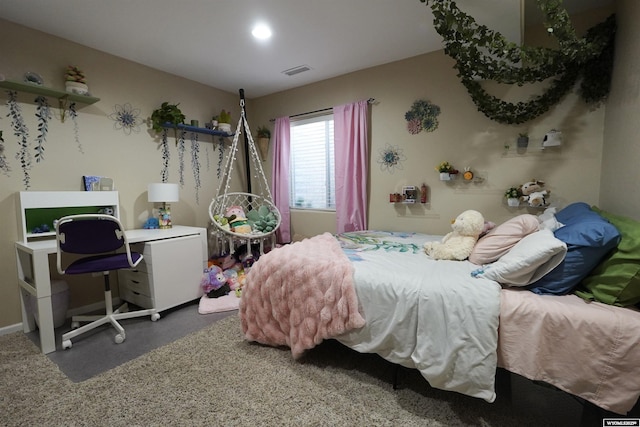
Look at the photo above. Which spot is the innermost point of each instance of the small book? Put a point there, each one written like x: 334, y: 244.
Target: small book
x: 91, y: 182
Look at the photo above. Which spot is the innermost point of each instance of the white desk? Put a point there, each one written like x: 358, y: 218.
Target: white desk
x: 34, y: 275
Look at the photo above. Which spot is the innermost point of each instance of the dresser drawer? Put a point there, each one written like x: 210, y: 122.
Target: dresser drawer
x: 136, y: 280
x: 136, y: 298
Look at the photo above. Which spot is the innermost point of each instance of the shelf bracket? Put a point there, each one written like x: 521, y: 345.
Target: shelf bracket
x: 63, y: 102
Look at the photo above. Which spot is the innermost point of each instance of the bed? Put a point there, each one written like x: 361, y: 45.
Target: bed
x: 457, y: 321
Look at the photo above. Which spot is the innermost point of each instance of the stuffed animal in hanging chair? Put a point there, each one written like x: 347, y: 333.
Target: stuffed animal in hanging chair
x: 458, y: 244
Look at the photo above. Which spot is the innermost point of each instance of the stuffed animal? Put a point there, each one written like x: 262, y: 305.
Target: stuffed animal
x: 237, y: 221
x: 214, y: 282
x: 534, y: 193
x: 151, y: 223
x: 458, y: 244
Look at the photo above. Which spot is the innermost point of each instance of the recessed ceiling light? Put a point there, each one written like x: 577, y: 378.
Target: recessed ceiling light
x: 261, y: 32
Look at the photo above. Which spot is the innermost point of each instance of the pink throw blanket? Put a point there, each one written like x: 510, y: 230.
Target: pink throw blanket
x: 299, y: 295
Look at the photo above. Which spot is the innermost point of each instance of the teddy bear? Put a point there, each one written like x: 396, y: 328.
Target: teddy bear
x: 458, y: 244
x: 534, y: 193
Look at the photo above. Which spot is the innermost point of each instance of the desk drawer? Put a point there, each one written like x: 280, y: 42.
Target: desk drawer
x: 136, y: 298
x: 136, y: 280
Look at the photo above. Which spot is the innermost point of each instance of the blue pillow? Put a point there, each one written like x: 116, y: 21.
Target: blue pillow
x: 577, y: 212
x: 589, y: 238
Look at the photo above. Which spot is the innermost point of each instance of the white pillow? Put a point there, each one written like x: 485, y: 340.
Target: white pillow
x: 548, y: 220
x: 530, y: 259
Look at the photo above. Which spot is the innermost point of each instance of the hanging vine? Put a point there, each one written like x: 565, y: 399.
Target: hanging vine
x: 21, y: 131
x: 485, y: 54
x: 195, y: 163
x: 165, y: 156
x: 181, y: 157
x: 74, y: 118
x: 4, y: 165
x: 220, y: 156
x: 43, y: 114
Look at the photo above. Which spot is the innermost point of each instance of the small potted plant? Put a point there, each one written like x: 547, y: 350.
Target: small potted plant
x: 446, y: 170
x: 224, y: 121
x: 75, y: 81
x: 264, y: 134
x: 513, y: 195
x: 167, y: 113
x: 523, y: 140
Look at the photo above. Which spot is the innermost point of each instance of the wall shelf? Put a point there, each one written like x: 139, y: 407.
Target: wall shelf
x: 45, y: 91
x: 196, y: 129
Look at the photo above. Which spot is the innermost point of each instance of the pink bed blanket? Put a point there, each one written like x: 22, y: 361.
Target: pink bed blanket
x: 300, y: 294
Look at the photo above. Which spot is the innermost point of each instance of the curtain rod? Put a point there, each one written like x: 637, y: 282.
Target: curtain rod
x: 370, y: 101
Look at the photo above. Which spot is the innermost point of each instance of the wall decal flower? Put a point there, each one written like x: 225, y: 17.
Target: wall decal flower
x: 126, y: 118
x: 391, y: 158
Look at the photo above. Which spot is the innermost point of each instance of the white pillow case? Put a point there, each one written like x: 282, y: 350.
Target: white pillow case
x: 529, y: 260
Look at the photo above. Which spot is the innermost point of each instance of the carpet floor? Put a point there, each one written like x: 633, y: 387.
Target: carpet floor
x: 213, y: 377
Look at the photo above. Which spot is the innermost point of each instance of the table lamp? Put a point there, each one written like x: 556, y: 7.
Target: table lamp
x: 163, y: 193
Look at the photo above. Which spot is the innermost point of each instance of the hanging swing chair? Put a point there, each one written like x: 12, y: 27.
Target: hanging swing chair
x: 240, y: 218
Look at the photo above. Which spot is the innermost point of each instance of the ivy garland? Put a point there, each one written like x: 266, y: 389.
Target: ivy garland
x: 22, y: 132
x: 486, y: 54
x: 43, y: 114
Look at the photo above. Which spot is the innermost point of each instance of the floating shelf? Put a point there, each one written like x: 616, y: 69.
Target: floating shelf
x: 198, y: 130
x: 45, y: 91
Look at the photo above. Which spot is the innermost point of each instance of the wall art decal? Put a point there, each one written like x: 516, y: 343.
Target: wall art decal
x: 391, y: 158
x: 126, y: 117
x: 423, y: 116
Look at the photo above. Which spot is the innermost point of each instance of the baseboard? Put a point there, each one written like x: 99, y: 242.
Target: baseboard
x: 5, y: 330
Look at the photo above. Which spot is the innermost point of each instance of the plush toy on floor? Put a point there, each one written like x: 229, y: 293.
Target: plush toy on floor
x: 458, y: 244
x: 214, y: 282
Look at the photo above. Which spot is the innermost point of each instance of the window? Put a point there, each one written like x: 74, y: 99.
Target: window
x: 312, y: 180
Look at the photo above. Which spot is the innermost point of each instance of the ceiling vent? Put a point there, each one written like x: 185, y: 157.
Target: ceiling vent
x: 296, y: 70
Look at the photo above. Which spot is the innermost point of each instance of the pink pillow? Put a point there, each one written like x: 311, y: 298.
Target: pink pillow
x: 500, y: 239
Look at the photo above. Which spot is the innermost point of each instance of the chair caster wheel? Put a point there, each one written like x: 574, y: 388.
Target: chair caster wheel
x: 66, y: 344
x: 155, y: 317
x: 75, y: 325
x: 119, y: 338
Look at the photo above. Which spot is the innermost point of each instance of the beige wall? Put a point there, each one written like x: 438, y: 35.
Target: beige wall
x: 620, y: 176
x: 464, y: 137
x: 132, y: 160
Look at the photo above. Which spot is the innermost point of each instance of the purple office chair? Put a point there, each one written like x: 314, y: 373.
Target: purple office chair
x: 102, y: 238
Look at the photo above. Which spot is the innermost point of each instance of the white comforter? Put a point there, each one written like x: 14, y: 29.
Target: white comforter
x: 424, y: 314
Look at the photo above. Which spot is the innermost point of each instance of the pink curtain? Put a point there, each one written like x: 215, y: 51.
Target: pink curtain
x: 280, y: 177
x: 351, y: 160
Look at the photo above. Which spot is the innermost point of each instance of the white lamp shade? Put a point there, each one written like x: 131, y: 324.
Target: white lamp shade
x: 163, y: 192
